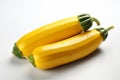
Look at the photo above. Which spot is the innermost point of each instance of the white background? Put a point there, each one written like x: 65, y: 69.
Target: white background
x: 18, y: 17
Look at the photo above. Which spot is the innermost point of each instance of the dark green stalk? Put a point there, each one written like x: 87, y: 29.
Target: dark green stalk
x: 104, y: 32
x: 86, y: 21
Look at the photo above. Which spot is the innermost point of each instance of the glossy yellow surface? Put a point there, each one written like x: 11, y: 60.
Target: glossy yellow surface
x: 49, y: 33
x: 68, y: 50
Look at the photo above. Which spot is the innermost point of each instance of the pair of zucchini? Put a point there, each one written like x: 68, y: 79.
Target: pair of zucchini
x: 60, y: 42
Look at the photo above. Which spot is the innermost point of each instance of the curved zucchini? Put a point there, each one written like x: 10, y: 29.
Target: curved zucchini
x: 68, y: 50
x: 53, y: 32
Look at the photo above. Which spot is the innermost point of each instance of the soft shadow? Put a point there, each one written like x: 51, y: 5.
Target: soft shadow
x: 16, y: 61
x: 37, y: 74
x: 46, y: 74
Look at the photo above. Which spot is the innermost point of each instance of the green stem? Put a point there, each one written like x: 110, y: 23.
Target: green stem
x: 104, y: 32
x: 109, y: 28
x: 86, y: 21
x: 94, y: 19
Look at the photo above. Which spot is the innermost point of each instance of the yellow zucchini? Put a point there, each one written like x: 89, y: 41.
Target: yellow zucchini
x: 53, y: 32
x: 68, y: 50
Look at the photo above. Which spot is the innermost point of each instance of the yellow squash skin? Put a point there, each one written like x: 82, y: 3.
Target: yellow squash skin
x: 68, y: 50
x: 49, y: 33
x: 53, y: 32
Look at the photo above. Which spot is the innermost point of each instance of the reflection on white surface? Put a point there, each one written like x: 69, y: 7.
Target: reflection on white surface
x: 18, y: 17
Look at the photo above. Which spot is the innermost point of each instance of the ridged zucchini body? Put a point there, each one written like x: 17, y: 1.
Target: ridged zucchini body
x: 68, y: 50
x: 53, y: 32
